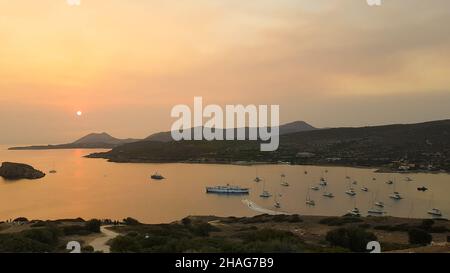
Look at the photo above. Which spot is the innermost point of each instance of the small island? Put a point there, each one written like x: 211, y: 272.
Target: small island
x: 15, y: 171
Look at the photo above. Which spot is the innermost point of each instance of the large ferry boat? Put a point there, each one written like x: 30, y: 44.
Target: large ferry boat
x: 228, y: 189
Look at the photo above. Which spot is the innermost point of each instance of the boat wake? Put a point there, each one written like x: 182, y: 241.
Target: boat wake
x: 257, y: 208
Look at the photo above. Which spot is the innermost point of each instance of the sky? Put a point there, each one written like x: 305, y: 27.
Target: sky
x: 125, y: 64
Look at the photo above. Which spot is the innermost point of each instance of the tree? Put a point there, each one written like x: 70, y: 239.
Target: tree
x: 419, y: 237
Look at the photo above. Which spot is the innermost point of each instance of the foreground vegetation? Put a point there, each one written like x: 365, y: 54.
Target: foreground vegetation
x: 209, y: 234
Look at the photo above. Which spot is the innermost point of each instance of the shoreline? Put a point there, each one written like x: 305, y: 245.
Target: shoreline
x: 376, y: 169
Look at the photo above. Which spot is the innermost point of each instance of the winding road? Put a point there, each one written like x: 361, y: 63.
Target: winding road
x: 100, y: 244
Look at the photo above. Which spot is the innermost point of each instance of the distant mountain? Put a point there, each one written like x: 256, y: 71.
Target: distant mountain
x: 421, y: 146
x: 294, y: 127
x: 91, y: 141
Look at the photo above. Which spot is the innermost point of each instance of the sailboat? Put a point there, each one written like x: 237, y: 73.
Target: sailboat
x: 257, y: 179
x: 277, y: 204
x: 355, y: 211
x: 284, y: 183
x: 376, y: 209
x: 53, y: 171
x: 350, y: 191
x: 323, y: 182
x: 309, y: 201
x: 265, y: 193
x: 434, y: 211
x: 328, y: 194
x: 365, y: 189
x: 396, y: 195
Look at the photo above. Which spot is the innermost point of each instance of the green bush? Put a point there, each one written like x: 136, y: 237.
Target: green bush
x: 419, y: 237
x: 355, y: 239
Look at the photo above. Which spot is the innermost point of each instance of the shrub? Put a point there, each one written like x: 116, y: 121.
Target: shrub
x: 125, y: 244
x: 355, y: 239
x: 87, y: 249
x: 186, y: 221
x: 339, y: 221
x: 427, y: 224
x: 93, y: 225
x: 419, y: 237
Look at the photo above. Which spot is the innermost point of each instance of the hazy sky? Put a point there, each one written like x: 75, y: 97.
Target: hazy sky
x: 126, y: 63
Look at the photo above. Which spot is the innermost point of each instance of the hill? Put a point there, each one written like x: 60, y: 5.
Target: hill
x: 91, y: 141
x: 293, y: 127
x: 422, y: 146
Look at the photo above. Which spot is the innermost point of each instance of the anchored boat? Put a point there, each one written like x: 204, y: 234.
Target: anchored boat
x: 228, y: 189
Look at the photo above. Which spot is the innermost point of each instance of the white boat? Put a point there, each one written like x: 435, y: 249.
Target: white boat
x: 227, y: 190
x: 309, y: 201
x: 283, y: 182
x: 379, y: 204
x: 354, y: 212
x: 257, y: 179
x: 396, y: 196
x: 265, y: 194
x: 435, y: 212
x: 365, y: 189
x: 390, y: 182
x: 351, y: 192
x: 328, y: 194
x: 323, y: 182
x: 408, y: 179
x: 378, y: 211
x: 314, y: 188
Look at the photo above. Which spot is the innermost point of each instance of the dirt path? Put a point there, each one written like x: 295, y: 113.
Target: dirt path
x: 99, y: 244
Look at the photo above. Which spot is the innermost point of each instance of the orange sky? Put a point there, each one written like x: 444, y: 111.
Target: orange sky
x: 126, y: 63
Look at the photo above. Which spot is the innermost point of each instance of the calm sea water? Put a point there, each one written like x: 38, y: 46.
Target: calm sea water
x: 94, y: 188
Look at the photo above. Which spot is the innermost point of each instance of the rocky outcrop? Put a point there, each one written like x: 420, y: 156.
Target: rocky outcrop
x: 12, y: 171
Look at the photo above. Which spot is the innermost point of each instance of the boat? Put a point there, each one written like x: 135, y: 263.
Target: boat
x: 355, y: 212
x: 355, y: 182
x: 347, y: 177
x: 52, y: 171
x: 157, y: 176
x: 374, y: 179
x: 390, y: 182
x: 365, y: 189
x: 408, y: 179
x: 277, y: 204
x: 435, y: 212
x: 378, y: 211
x: 265, y: 194
x: 309, y: 201
x: 315, y: 188
x: 379, y: 204
x: 228, y: 189
x: 257, y: 179
x: 283, y: 182
x: 323, y: 182
x: 328, y: 194
x: 423, y: 188
x: 351, y: 192
x: 396, y: 196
